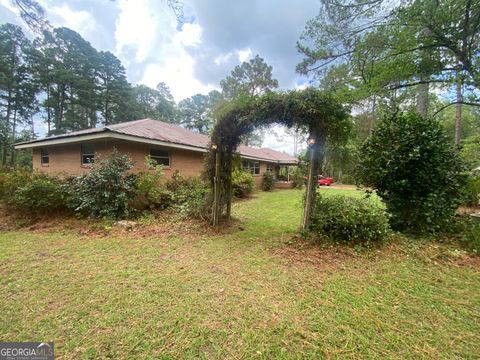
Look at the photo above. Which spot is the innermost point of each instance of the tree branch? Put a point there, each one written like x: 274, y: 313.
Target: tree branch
x: 455, y: 103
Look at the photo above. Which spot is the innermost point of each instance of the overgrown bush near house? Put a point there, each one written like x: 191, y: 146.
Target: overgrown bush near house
x: 10, y: 181
x: 150, y: 187
x: 191, y: 196
x: 242, y: 183
x: 268, y: 181
x: 415, y: 170
x: 297, y: 176
x: 35, y: 192
x: 107, y: 190
x: 344, y: 219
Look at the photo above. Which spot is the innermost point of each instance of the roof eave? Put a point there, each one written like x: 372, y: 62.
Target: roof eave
x: 111, y: 134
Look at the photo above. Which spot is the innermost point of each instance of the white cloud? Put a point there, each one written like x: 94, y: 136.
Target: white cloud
x: 149, y: 29
x: 137, y: 26
x: 80, y: 21
x: 222, y: 59
x: 8, y: 4
x: 279, y: 139
x: 244, y: 55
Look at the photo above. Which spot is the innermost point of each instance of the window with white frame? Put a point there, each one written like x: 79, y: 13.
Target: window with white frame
x: 160, y: 156
x: 88, y: 154
x: 270, y: 167
x: 251, y: 166
x: 44, y: 158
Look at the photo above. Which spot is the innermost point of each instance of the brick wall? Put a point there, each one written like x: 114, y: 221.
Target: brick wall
x: 66, y: 159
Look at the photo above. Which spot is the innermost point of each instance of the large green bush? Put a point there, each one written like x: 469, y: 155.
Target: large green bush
x: 35, y: 192
x: 191, y: 196
x: 107, y: 190
x: 344, y: 219
x: 242, y: 183
x: 268, y: 181
x: 150, y: 187
x: 415, y: 170
x: 11, y: 181
x: 298, y: 176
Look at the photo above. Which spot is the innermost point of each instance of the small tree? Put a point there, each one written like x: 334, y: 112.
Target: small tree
x: 268, y: 181
x: 106, y: 190
x: 410, y: 163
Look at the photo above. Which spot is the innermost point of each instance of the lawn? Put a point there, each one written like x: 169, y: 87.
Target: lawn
x: 180, y: 290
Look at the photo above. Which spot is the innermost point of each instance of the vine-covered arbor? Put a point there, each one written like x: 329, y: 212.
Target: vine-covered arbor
x: 316, y: 111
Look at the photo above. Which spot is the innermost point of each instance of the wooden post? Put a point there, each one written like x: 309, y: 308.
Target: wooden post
x: 228, y: 192
x: 216, y: 191
x: 312, y: 182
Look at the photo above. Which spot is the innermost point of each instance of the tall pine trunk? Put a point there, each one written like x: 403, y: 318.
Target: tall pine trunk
x: 458, y: 110
x: 7, y: 120
x: 422, y: 98
x: 14, y: 131
x: 372, y: 119
x: 424, y: 87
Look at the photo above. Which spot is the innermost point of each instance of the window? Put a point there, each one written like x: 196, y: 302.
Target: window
x: 88, y: 154
x: 251, y: 166
x: 161, y: 157
x: 44, y: 157
x: 270, y: 167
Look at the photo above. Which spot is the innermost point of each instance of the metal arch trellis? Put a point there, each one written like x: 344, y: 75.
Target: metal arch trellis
x: 315, y: 110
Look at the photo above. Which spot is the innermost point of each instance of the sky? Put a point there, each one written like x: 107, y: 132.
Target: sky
x: 193, y: 55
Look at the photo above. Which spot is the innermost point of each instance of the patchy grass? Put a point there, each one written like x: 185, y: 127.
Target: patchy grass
x: 180, y: 290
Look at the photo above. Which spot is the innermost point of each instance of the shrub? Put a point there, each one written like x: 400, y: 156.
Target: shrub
x: 150, y: 188
x: 349, y: 220
x: 297, y: 176
x: 107, y: 190
x: 34, y: 192
x: 471, y: 239
x: 347, y: 179
x: 415, y: 170
x: 11, y: 181
x: 472, y: 191
x: 190, y: 195
x: 242, y: 183
x: 268, y: 181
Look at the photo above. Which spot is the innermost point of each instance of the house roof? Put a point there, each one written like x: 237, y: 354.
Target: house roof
x: 156, y: 132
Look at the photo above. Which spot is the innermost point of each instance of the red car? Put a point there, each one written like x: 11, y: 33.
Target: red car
x: 327, y: 181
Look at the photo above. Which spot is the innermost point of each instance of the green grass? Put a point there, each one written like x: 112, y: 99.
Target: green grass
x: 179, y: 291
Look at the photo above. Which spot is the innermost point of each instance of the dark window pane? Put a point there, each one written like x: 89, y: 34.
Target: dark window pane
x: 161, y: 161
x: 256, y: 167
x: 44, y: 157
x: 159, y: 153
x: 88, y: 154
x: 88, y: 159
x: 160, y: 156
x: 88, y: 149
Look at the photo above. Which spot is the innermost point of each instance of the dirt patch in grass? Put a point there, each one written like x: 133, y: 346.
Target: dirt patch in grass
x: 300, y: 253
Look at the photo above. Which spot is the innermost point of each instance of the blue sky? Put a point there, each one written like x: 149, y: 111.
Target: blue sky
x: 193, y: 56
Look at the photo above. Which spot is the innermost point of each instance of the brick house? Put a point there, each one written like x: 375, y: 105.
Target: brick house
x: 172, y: 146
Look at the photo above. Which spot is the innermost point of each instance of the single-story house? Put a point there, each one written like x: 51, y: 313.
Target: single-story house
x: 172, y: 146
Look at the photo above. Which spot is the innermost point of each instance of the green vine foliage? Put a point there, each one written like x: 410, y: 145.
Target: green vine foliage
x: 311, y: 109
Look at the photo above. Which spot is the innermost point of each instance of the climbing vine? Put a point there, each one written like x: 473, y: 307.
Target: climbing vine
x: 326, y: 120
